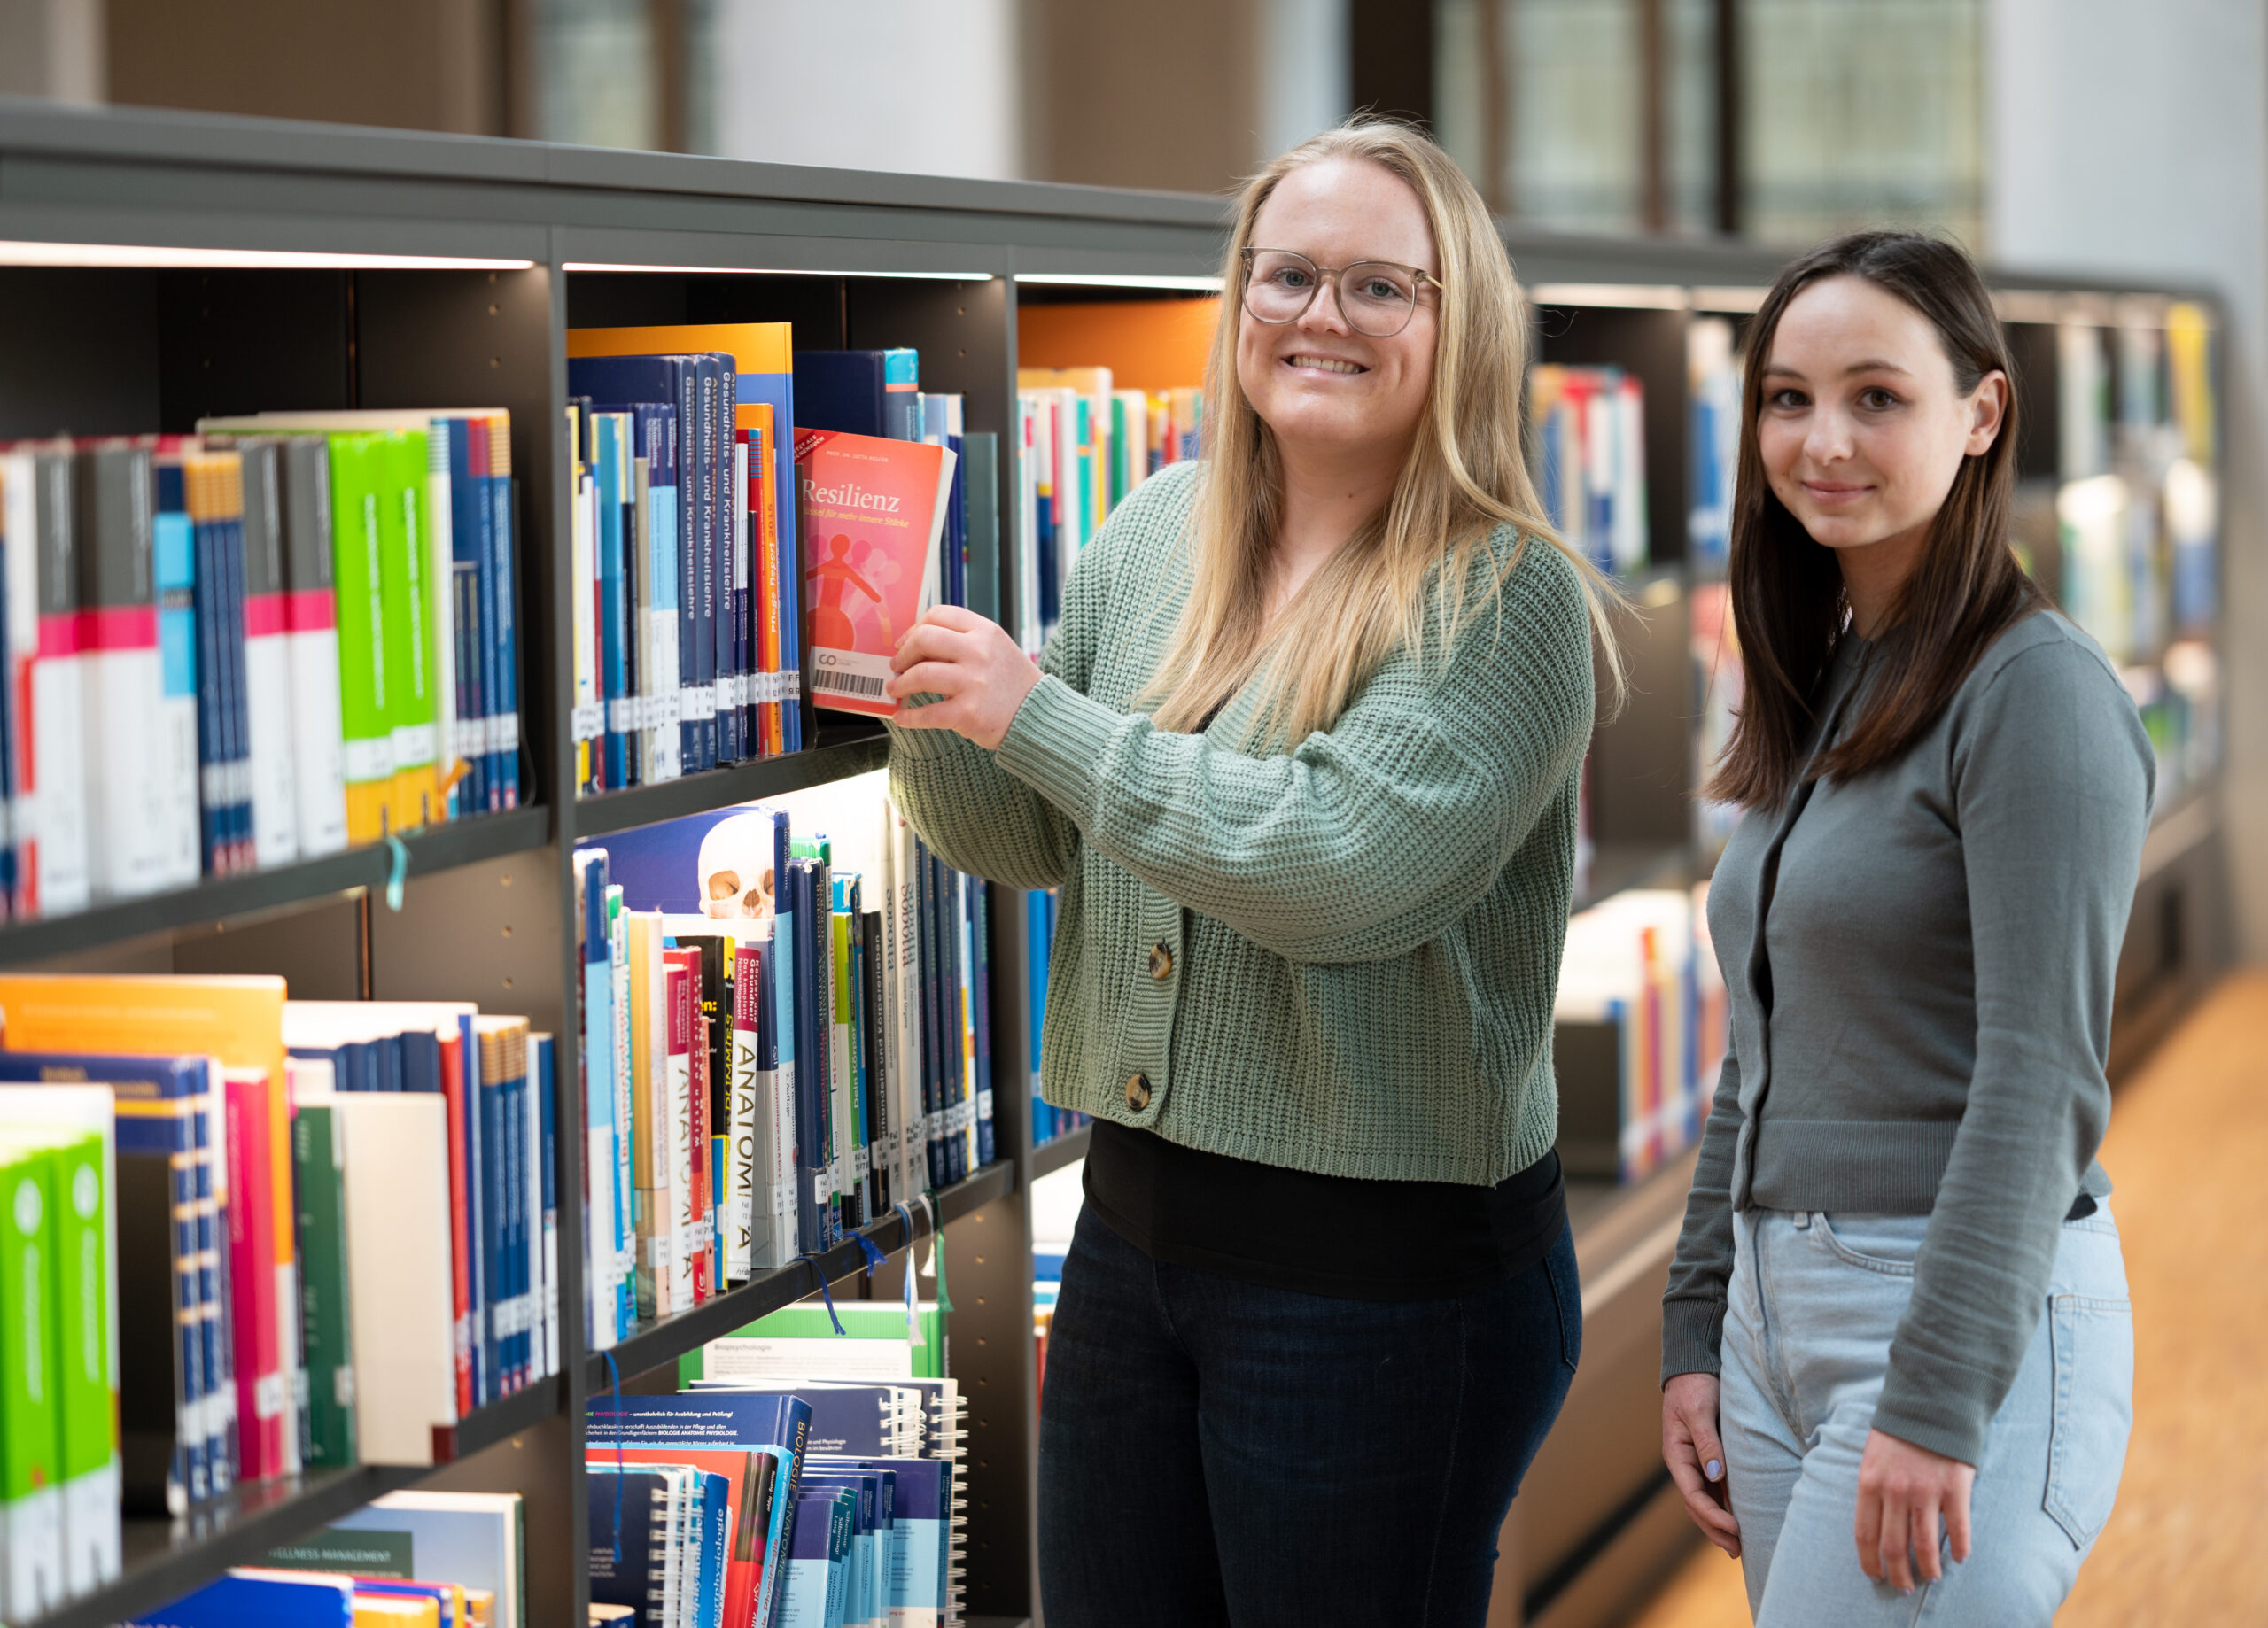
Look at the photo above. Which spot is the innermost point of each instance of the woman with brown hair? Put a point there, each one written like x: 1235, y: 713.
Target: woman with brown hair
x: 1898, y: 1314
x: 1303, y: 760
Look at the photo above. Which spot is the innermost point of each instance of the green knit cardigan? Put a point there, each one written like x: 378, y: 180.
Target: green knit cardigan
x: 1339, y: 959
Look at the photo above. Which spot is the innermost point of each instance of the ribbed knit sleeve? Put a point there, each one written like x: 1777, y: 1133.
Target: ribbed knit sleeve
x: 1313, y: 854
x: 2053, y: 778
x: 1701, y: 1272
x: 978, y: 817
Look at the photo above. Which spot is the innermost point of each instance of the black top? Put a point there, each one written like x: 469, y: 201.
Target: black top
x: 1338, y: 1235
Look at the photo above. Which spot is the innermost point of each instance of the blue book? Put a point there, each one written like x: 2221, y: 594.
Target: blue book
x: 813, y: 1196
x: 183, y: 629
x: 712, y: 1504
x: 514, y: 1351
x: 902, y: 395
x: 1039, y: 938
x: 603, y: 1228
x: 842, y: 391
x: 868, y: 1573
x: 500, y: 634
x: 713, y: 629
x: 848, y: 1418
x: 272, y: 1599
x: 543, y: 1063
x: 627, y: 1519
x: 229, y: 558
x: 662, y: 583
x: 471, y: 543
x: 609, y: 465
x: 209, y: 1232
x: 921, y: 1517
x: 490, y: 1246
x: 807, y: 1597
x: 980, y: 996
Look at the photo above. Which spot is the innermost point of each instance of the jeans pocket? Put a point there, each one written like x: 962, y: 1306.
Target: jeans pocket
x: 1885, y: 1244
x: 1567, y: 1298
x: 2093, y: 1345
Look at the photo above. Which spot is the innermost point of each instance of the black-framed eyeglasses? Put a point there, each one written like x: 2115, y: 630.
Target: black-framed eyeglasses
x: 1377, y: 297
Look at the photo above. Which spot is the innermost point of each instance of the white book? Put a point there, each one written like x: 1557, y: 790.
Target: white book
x: 543, y: 1222
x: 477, y: 1540
x: 49, y: 823
x: 626, y: 1184
x: 135, y: 802
x: 318, y: 751
x: 397, y: 1156
x: 267, y: 659
x: 456, y: 739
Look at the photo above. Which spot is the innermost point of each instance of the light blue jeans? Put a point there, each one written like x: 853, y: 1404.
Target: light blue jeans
x: 1814, y: 1300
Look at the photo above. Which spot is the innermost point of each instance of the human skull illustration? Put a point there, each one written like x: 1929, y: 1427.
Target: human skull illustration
x: 736, y: 867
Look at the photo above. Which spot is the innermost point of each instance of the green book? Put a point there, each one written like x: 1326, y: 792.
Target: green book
x: 319, y: 1182
x: 805, y: 1325
x: 31, y: 1435
x: 359, y: 473
x: 86, y: 1390
x: 406, y: 593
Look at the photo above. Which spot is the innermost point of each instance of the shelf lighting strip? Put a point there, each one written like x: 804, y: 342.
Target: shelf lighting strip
x: 783, y: 271
x: 164, y: 257
x: 1630, y: 296
x: 1098, y: 279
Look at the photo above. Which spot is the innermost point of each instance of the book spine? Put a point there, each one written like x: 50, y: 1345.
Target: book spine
x: 980, y: 1004
x: 184, y: 484
x: 614, y: 615
x: 314, y: 661
x: 542, y: 1078
x: 439, y: 568
x: 503, y: 700
x: 267, y: 659
x: 176, y: 773
x: 471, y: 522
x: 454, y: 1085
x: 745, y: 1226
x: 694, y: 576
x: 874, y: 1051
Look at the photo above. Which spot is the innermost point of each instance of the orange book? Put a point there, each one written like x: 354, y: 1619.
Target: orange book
x: 237, y: 1019
x: 1145, y: 343
x: 872, y: 510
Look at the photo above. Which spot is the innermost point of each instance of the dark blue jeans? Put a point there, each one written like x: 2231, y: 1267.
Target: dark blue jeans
x: 1211, y: 1451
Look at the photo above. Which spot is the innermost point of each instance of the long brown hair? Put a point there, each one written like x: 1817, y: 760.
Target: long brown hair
x: 1787, y: 590
x: 1416, y: 567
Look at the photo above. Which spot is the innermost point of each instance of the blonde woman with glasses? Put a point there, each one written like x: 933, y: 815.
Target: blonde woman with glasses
x: 1303, y: 758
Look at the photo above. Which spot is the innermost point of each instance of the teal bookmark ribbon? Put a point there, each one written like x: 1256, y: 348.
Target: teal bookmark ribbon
x: 397, y: 872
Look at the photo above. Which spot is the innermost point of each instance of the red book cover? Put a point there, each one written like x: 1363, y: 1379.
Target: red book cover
x: 871, y: 511
x: 687, y: 1102
x: 452, y: 1091
x: 252, y: 1280
x: 702, y: 1222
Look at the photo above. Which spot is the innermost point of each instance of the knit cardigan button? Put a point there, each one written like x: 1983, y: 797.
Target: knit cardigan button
x: 1160, y: 962
x: 1138, y: 1091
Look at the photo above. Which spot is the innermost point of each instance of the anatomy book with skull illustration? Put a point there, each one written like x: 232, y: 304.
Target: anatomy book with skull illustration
x: 871, y: 511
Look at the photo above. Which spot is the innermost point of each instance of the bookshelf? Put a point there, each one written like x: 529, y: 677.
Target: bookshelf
x: 154, y: 266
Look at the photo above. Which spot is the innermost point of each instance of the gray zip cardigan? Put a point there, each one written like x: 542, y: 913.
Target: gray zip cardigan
x: 1919, y: 962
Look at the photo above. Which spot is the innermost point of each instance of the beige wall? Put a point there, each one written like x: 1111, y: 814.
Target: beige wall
x: 424, y: 64
x: 1162, y: 94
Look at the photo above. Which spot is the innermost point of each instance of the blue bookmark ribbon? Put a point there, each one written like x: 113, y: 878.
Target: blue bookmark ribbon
x: 397, y: 872
x: 820, y: 1272
x: 912, y: 1321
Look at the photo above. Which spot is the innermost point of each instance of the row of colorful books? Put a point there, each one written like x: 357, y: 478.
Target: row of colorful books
x: 1083, y: 444
x: 1712, y: 386
x: 408, y: 1560
x: 742, y: 511
x: 810, y: 1479
x: 321, y: 1233
x: 784, y: 1037
x: 1588, y: 426
x: 1639, y: 1031
x: 1041, y: 907
x: 251, y: 646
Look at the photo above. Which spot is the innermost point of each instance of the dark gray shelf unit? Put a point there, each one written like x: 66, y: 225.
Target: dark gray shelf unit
x: 855, y: 258
x: 1057, y: 1151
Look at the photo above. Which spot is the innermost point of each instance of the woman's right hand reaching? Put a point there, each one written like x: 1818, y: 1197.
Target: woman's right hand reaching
x: 1696, y: 1458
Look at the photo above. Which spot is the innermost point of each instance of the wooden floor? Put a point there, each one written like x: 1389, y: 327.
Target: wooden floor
x: 2189, y: 1153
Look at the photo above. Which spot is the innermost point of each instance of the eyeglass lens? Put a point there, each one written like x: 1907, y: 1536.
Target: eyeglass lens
x: 1376, y: 297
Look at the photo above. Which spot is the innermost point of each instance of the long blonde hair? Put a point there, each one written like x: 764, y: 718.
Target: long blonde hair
x: 1465, y: 475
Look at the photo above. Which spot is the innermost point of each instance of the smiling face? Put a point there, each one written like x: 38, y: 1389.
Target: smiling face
x: 1864, y: 425
x: 1320, y: 385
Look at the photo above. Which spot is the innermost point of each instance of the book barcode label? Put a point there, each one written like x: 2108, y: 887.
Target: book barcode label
x: 847, y: 683
x: 696, y: 702
x: 622, y: 714
x: 791, y: 686
x: 984, y: 1105
x: 860, y: 1167
x: 507, y: 728
x: 590, y: 723
x: 728, y: 693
